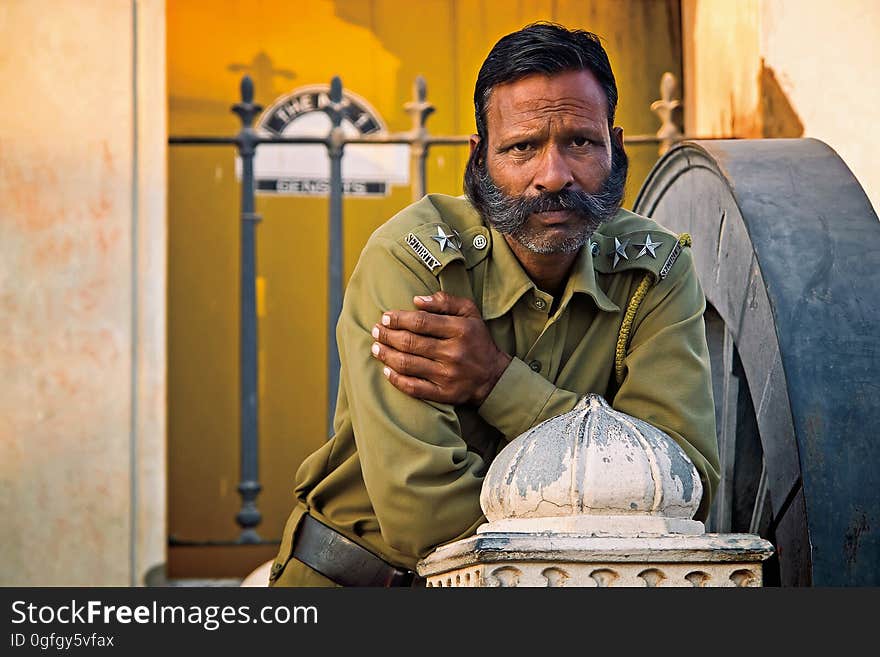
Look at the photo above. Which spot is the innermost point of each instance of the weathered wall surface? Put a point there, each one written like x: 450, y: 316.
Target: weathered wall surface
x: 82, y: 291
x: 786, y: 68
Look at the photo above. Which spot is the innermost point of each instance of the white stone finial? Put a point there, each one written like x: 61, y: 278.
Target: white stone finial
x: 595, y: 471
x: 594, y: 497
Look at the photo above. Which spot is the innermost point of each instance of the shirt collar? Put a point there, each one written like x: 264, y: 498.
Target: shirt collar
x: 506, y: 281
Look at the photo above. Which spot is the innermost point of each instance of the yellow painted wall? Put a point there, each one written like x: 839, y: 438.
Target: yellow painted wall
x: 377, y: 47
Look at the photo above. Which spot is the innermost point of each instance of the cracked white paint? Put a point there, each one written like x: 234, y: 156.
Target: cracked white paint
x: 589, y: 467
x: 594, y: 498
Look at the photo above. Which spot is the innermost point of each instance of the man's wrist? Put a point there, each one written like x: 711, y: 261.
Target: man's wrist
x: 517, y: 399
x: 501, y: 364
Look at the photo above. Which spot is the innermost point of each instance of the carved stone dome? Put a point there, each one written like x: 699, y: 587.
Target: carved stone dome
x: 592, y: 470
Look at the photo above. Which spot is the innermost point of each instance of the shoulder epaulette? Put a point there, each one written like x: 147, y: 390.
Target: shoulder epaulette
x: 651, y: 276
x: 649, y: 250
x: 437, y: 244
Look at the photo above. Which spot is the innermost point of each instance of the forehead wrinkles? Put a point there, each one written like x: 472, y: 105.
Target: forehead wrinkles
x: 552, y: 111
x: 507, y: 113
x: 574, y: 106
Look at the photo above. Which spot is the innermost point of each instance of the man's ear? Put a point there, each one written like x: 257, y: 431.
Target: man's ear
x: 474, y: 143
x: 617, y: 135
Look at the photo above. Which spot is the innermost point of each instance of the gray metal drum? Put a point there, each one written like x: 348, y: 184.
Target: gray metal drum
x: 787, y: 247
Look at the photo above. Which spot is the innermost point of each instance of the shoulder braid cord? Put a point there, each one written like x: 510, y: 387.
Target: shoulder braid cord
x: 626, y: 326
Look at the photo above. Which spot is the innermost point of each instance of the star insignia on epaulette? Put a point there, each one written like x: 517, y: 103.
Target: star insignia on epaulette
x: 619, y: 251
x: 648, y: 247
x: 445, y: 240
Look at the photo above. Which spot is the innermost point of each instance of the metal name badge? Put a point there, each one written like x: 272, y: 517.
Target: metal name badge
x: 422, y: 252
x: 673, y: 256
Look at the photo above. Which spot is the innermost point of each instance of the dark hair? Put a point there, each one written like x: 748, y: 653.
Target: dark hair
x: 542, y: 48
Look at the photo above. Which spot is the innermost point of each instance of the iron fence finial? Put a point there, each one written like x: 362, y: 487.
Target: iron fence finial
x: 419, y: 108
x: 247, y: 89
x: 665, y: 109
x: 247, y: 109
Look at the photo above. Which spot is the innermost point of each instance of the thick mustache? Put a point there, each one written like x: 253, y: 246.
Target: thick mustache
x: 581, y: 203
x: 554, y: 202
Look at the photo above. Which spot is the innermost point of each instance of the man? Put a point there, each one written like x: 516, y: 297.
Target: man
x: 468, y: 321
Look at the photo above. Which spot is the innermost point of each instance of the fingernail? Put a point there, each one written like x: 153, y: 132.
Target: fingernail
x: 425, y: 299
x: 386, y: 320
x: 375, y: 333
x: 386, y: 371
x: 375, y: 348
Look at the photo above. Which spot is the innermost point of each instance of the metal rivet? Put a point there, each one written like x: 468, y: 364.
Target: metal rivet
x: 535, y: 365
x: 540, y: 304
x: 480, y: 242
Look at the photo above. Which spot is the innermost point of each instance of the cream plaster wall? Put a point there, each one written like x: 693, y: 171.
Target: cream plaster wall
x: 826, y: 57
x: 786, y: 68
x: 82, y: 291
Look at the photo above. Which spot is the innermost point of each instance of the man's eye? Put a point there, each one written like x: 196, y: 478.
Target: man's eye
x: 580, y: 141
x: 521, y: 147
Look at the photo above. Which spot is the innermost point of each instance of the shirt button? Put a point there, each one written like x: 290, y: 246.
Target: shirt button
x: 540, y: 304
x: 535, y: 365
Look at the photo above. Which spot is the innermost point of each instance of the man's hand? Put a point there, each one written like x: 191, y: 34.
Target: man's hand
x: 442, y: 352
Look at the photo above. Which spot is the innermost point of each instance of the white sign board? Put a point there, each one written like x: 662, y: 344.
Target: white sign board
x: 304, y: 169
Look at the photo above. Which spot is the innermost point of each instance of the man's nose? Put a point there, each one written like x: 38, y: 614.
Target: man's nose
x: 553, y: 174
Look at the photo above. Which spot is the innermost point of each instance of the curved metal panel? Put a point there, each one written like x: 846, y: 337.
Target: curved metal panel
x: 784, y: 240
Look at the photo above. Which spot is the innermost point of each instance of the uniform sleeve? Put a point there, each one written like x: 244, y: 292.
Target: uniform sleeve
x: 422, y: 480
x: 521, y: 399
x: 667, y: 381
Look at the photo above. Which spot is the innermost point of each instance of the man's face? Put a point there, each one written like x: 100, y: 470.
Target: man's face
x: 547, y: 178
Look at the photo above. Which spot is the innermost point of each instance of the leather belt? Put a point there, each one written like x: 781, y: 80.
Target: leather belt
x: 343, y: 561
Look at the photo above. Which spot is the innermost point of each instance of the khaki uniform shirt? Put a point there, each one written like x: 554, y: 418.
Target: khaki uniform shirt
x: 401, y: 476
